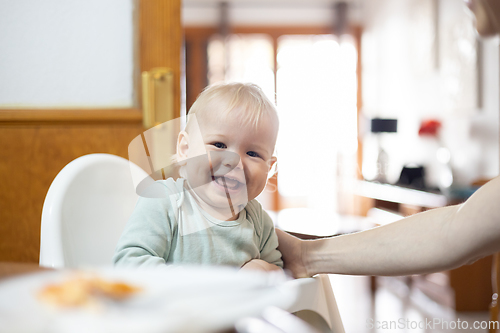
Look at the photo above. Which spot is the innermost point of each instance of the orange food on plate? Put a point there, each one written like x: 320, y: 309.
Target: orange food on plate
x: 115, y: 290
x: 84, y: 291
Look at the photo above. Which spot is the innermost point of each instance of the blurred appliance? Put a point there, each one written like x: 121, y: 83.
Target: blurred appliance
x: 413, y: 176
x: 379, y: 126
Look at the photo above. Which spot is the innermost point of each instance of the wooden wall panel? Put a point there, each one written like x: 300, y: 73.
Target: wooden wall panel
x: 36, y: 144
x: 30, y: 158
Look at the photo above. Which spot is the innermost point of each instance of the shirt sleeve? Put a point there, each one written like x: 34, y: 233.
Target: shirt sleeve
x: 147, y: 236
x: 269, y: 242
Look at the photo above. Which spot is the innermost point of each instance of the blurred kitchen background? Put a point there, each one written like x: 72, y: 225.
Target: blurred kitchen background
x: 336, y: 67
x: 369, y: 93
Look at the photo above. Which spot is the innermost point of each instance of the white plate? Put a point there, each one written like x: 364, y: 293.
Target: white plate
x: 173, y: 299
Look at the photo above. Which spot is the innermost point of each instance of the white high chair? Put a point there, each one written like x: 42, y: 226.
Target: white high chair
x: 315, y: 297
x: 85, y: 211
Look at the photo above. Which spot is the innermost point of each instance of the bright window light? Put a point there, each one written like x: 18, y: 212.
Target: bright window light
x: 316, y: 96
x: 246, y: 58
x: 316, y: 99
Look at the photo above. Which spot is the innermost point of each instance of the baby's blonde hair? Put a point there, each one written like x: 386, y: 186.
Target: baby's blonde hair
x: 223, y: 98
x: 226, y: 97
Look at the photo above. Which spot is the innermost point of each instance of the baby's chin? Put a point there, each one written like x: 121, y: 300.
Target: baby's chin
x: 222, y: 210
x: 212, y: 195
x: 222, y: 201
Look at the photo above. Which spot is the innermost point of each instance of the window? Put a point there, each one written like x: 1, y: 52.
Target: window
x: 243, y: 58
x: 313, y: 79
x: 316, y: 90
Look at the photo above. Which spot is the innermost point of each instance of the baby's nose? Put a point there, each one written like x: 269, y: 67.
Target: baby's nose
x: 223, y: 162
x: 231, y: 160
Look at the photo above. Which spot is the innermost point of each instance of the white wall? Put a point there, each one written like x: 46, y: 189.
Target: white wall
x: 58, y: 53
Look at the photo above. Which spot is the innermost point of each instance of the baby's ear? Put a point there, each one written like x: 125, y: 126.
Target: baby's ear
x: 182, y: 147
x: 272, y: 161
x: 272, y: 167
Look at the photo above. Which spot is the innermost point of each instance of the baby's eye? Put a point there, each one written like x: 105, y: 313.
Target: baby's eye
x: 253, y: 154
x: 219, y: 145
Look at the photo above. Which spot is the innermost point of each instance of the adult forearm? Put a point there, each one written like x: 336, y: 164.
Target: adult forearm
x: 435, y: 240
x: 477, y: 223
x: 409, y: 246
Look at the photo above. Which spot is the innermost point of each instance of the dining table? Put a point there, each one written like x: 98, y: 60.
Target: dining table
x: 12, y: 269
x: 172, y: 299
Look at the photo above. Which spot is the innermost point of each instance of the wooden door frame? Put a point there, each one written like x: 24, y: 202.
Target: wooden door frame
x: 157, y: 43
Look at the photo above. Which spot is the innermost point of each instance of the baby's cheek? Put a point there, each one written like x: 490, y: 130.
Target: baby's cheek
x: 198, y: 174
x: 260, y: 182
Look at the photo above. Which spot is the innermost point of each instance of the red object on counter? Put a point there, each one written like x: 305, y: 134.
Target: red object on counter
x: 429, y: 127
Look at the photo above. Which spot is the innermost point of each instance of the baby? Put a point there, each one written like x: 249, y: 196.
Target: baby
x: 209, y: 215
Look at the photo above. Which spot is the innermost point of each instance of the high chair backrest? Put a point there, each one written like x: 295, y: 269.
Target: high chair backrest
x: 85, y: 211
x: 315, y: 303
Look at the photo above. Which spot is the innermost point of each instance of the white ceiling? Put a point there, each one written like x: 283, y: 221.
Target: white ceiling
x: 267, y: 12
x: 267, y: 3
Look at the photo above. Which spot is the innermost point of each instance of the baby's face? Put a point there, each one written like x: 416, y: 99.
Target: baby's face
x: 239, y: 158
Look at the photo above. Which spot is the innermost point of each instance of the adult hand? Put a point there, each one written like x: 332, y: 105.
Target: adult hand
x: 292, y: 252
x: 260, y: 265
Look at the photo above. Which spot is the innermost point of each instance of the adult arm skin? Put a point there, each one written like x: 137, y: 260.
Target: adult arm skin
x: 435, y: 240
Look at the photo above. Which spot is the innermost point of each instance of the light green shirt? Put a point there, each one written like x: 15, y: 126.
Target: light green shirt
x: 175, y: 229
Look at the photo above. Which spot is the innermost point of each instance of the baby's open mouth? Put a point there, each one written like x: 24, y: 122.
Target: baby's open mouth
x: 229, y: 183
